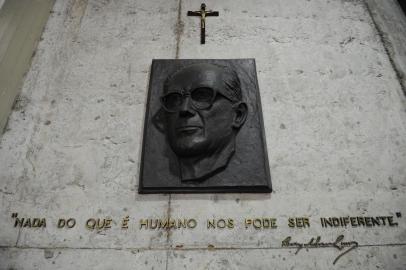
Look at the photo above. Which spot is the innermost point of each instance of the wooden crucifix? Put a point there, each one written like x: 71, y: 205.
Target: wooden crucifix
x: 203, y: 14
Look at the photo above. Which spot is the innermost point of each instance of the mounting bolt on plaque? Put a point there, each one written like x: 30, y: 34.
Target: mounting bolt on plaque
x: 203, y: 14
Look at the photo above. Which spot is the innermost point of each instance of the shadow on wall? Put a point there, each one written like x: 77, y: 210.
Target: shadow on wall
x: 402, y: 3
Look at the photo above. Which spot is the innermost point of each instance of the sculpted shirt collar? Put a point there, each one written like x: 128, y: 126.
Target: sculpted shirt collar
x: 202, y: 167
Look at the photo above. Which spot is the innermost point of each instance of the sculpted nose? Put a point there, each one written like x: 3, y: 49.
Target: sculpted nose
x: 186, y: 108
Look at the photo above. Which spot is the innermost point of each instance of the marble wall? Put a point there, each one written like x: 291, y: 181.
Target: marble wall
x: 335, y: 123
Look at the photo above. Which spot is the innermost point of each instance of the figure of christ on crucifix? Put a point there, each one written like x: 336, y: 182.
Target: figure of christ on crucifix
x: 203, y: 14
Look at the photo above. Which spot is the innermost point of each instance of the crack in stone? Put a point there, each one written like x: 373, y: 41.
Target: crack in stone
x: 179, y: 29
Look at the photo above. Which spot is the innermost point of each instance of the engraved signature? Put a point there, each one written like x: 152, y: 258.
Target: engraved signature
x: 339, y: 244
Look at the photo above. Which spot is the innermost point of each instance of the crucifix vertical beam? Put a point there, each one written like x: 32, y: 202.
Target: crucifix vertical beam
x: 202, y: 13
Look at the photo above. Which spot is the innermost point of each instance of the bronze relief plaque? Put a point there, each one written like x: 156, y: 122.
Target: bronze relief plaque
x: 203, y: 129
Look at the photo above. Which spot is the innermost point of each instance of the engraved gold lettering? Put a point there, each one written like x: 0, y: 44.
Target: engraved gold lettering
x: 70, y: 223
x: 167, y: 223
x: 230, y: 223
x: 182, y: 223
x: 353, y: 221
x: 91, y: 224
x: 124, y: 223
x: 391, y: 223
x: 306, y: 222
x: 163, y: 224
x: 260, y: 223
x: 172, y: 224
x: 153, y: 225
x: 361, y: 221
x: 328, y: 222
x: 346, y: 220
x: 192, y: 223
x: 106, y: 223
x: 291, y: 222
x: 211, y: 224
x: 375, y: 221
x: 383, y: 220
x: 300, y: 222
x: 257, y: 223
x: 98, y: 223
x: 143, y: 222
x: 266, y: 223
x: 247, y: 222
x: 273, y: 223
x: 19, y: 222
x: 221, y: 223
x: 35, y: 222
x: 368, y: 221
x: 61, y: 223
x: 42, y: 223
x: 27, y: 223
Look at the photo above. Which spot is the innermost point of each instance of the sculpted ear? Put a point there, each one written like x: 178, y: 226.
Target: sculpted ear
x: 241, y: 112
x: 159, y: 120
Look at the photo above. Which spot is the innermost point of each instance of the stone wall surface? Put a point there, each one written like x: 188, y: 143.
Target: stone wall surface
x: 335, y: 124
x: 21, y: 25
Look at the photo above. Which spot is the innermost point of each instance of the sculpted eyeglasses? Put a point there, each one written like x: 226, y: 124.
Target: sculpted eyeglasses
x: 200, y: 98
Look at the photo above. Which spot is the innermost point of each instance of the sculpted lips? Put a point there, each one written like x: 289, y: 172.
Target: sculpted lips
x: 188, y: 129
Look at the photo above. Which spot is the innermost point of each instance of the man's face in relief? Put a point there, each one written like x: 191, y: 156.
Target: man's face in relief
x: 201, y: 116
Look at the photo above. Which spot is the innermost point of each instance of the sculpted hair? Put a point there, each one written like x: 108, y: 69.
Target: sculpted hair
x: 232, y: 84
